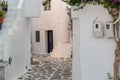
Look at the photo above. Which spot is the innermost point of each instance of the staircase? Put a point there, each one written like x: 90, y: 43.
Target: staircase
x: 8, y: 29
x: 6, y: 32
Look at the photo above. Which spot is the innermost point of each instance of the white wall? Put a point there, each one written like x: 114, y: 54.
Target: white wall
x: 57, y: 20
x: 17, y: 46
x: 12, y: 3
x: 93, y: 57
x: 32, y: 8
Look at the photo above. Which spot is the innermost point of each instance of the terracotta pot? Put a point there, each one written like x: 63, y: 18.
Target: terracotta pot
x: 1, y: 19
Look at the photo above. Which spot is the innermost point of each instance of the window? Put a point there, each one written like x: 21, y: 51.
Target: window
x: 107, y: 26
x: 47, y: 5
x: 37, y: 33
x: 96, y: 26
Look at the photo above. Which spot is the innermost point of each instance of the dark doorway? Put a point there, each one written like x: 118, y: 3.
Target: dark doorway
x: 50, y: 40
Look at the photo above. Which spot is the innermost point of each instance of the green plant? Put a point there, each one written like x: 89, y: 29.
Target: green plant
x: 1, y: 13
x: 106, y: 3
x: 4, y: 4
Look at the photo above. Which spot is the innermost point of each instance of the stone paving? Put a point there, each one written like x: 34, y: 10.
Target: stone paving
x: 46, y: 68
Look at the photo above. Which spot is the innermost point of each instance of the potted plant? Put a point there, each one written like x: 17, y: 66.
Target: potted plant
x: 1, y: 16
x: 4, y: 5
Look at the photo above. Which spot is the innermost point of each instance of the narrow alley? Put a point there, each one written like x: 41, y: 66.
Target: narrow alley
x: 45, y: 67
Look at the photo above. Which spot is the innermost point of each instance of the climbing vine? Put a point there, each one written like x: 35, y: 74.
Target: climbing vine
x: 106, y: 3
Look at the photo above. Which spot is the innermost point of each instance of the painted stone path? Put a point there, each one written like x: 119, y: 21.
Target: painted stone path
x: 46, y: 68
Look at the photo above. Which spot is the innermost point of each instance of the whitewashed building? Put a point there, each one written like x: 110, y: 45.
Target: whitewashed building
x: 50, y: 32
x: 15, y: 45
x: 93, y: 44
x: 26, y: 28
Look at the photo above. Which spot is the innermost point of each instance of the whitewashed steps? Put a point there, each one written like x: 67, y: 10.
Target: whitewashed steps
x: 8, y: 29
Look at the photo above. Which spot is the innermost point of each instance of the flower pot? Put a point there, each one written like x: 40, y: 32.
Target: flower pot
x: 4, y: 11
x: 1, y: 19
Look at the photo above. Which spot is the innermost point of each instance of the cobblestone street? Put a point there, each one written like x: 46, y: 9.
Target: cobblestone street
x: 46, y: 68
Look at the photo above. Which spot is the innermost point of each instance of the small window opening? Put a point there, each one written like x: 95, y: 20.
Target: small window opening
x: 107, y: 26
x: 96, y: 26
x: 37, y: 33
